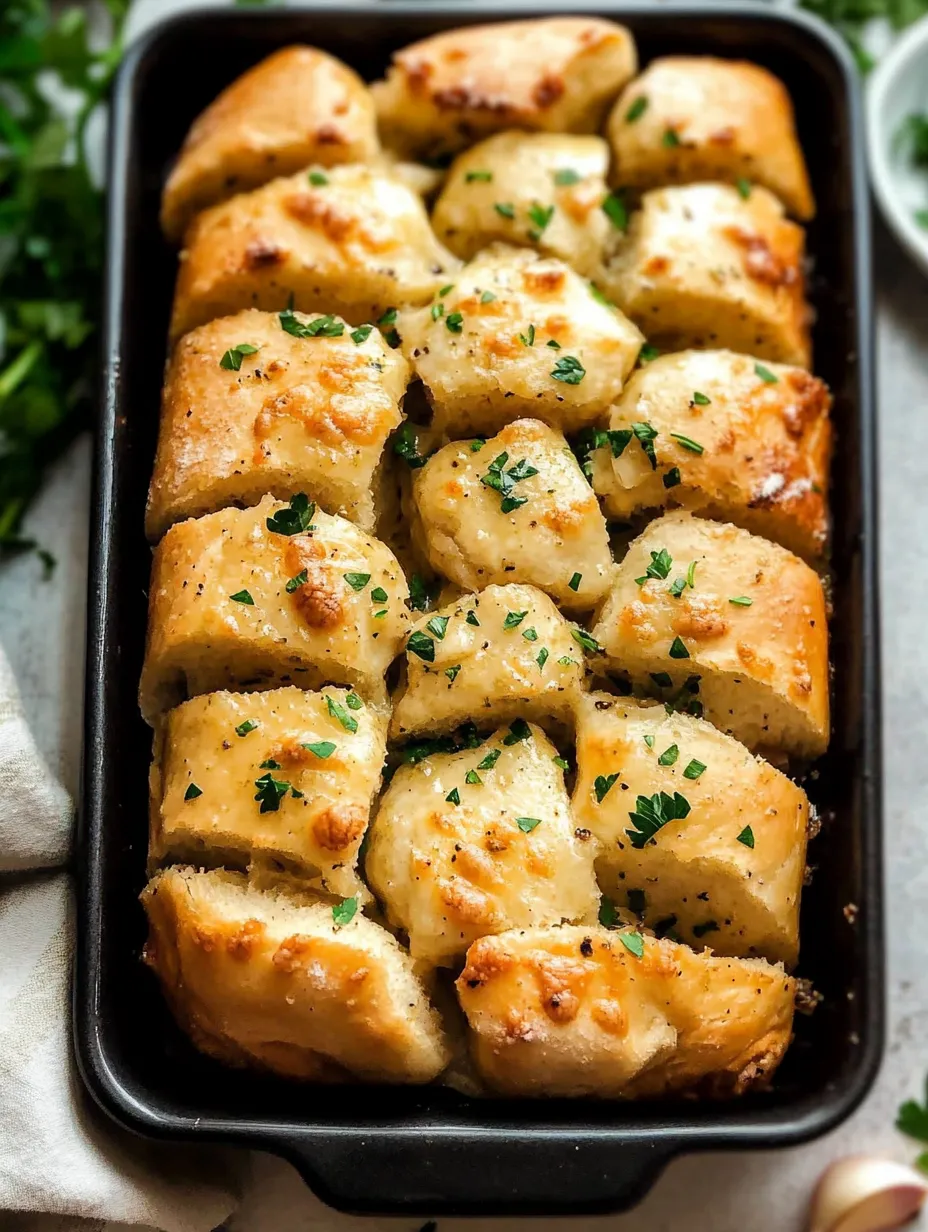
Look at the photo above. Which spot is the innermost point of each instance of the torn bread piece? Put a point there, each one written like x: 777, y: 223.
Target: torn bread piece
x: 489, y: 658
x: 265, y: 977
x: 697, y: 836
x: 576, y: 1011
x: 296, y: 107
x: 352, y: 240
x: 703, y: 267
x: 707, y: 612
x: 518, y: 335
x: 514, y: 509
x: 478, y: 841
x: 736, y: 440
x: 557, y: 74
x: 287, y: 776
x: 273, y: 595
x: 696, y: 118
x: 276, y: 403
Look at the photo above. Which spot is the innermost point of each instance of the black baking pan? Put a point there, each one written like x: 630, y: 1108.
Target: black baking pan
x: 430, y: 1150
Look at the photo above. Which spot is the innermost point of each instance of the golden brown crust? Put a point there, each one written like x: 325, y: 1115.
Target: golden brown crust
x: 296, y: 107
x: 355, y: 245
x: 574, y: 1011
x: 300, y: 414
x: 765, y: 441
x: 557, y: 74
x: 267, y: 979
x: 732, y: 121
x: 703, y: 267
x: 322, y: 630
x: 761, y: 661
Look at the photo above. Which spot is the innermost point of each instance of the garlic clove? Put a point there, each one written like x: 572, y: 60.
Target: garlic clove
x: 863, y: 1194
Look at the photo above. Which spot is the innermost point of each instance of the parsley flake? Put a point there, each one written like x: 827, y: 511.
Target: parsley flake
x: 670, y: 139
x: 607, y: 912
x: 637, y: 109
x: 471, y: 619
x: 768, y: 377
x: 379, y: 595
x: 659, y: 568
x: 603, y: 784
x: 633, y: 942
x: 454, y: 322
x: 487, y: 297
x: 566, y: 176
x: 452, y: 672
x: 298, y: 580
x: 542, y: 658
x: 295, y: 518
x: 513, y: 619
x: 568, y: 369
x: 652, y: 813
x: 327, y: 326
x: 528, y: 338
x: 519, y: 730
x: 490, y: 760
x: 678, y: 649
x: 528, y: 824
x: 270, y: 792
x: 672, y: 478
x: 530, y: 634
x: 505, y: 209
x: 646, y: 434
x: 669, y: 756
x: 345, y: 911
x: 270, y: 764
x: 473, y: 778
x: 744, y: 187
x: 616, y: 211
x: 540, y: 215
x: 357, y: 581
x: 318, y: 179
x: 321, y: 749
x: 406, y: 446
x: 453, y: 796
x: 244, y: 728
x: 478, y: 177
x: 232, y: 359
x: 694, y: 769
x: 747, y: 837
x: 741, y: 601
x: 687, y: 442
x: 561, y: 763
x: 575, y: 581
x: 649, y: 741
x: 438, y: 625
x: 648, y: 353
x: 243, y: 596
x: 700, y: 399
x: 361, y: 334
x: 586, y: 640
x: 192, y: 792
x: 422, y: 645
x: 339, y: 712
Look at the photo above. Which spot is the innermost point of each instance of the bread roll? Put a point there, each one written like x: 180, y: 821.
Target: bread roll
x: 697, y: 836
x: 703, y: 267
x: 541, y: 189
x: 737, y: 440
x: 296, y: 107
x: 502, y: 653
x: 748, y: 641
x: 497, y: 360
x: 297, y: 414
x: 557, y: 74
x: 267, y: 777
x: 236, y: 603
x: 478, y: 841
x: 692, y: 118
x: 266, y: 978
x: 349, y: 240
x: 555, y: 536
x: 577, y: 1011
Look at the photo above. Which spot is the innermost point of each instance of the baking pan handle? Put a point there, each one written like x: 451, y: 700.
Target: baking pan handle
x: 526, y: 1172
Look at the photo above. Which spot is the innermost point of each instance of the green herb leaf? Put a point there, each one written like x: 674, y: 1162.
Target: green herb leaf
x: 232, y: 359
x: 566, y: 176
x: 652, y: 813
x: 607, y: 912
x: 270, y: 792
x: 568, y: 369
x: 528, y: 824
x: 337, y: 711
x: 647, y: 435
x: 669, y: 756
x: 540, y: 215
x: 659, y: 568
x: 561, y: 763
x: 322, y: 327
x: 768, y: 377
x: 637, y: 109
x: 694, y: 769
x: 454, y: 322
x: 379, y: 595
x: 672, y: 478
x: 575, y: 581
x: 691, y: 575
x: 530, y: 635
x: 421, y: 644
x: 192, y: 792
x: 567, y: 661
x: 505, y: 209
x: 616, y: 211
x: 270, y: 764
x: 649, y: 741
x: 318, y: 179
x: 700, y: 399
x: 586, y: 640
x: 744, y: 187
x: 447, y: 289
x: 542, y: 658
x: 406, y: 447
x: 677, y: 587
x: 354, y: 702
x: 747, y: 837
x: 298, y: 580
x: 438, y: 625
x: 687, y: 442
x: 741, y: 601
x: 345, y: 911
x: 453, y: 796
x: 452, y: 672
x: 243, y: 729
x: 670, y: 139
x: 487, y: 297
x: 528, y: 338
x: 478, y: 177
x: 519, y: 730
x: 513, y: 619
x: 243, y: 596
x: 678, y: 650
x: 603, y: 784
x: 648, y: 354
x: 321, y: 749
x: 361, y: 334
x: 912, y: 1119
x: 471, y: 619
x: 633, y: 942
x: 295, y: 518
x: 490, y: 760
x: 357, y: 581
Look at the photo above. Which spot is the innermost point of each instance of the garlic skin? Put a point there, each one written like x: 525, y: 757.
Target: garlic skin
x: 863, y: 1194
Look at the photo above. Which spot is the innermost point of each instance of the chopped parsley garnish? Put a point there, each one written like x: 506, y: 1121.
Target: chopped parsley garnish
x: 244, y: 728
x: 487, y: 297
x: 677, y: 587
x: 669, y: 756
x: 361, y: 334
x: 420, y: 595
x: 530, y: 634
x: 298, y: 580
x: 473, y: 778
x: 648, y: 353
x: 503, y: 481
x: 379, y: 595
x: 744, y: 187
x: 567, y: 661
x: 649, y: 741
x: 700, y: 399
x: 568, y: 369
x: 514, y: 618
x: 505, y: 209
x: 446, y: 290
x: 575, y: 581
x: 345, y: 911
x: 691, y: 575
x: 694, y: 769
x: 388, y: 318
x: 542, y: 658
x: 243, y: 596
x: 453, y: 796
x: 603, y: 784
x: 637, y: 109
x: 528, y: 338
x: 357, y: 581
x: 270, y: 792
x: 454, y: 322
x: 270, y: 764
x: 326, y: 326
x: 561, y: 763
x: 317, y: 179
x: 421, y: 644
x: 659, y: 568
x: 354, y: 702
x: 687, y: 442
x: 747, y: 837
x: 438, y: 310
x: 540, y: 215
x: 607, y: 912
x: 652, y: 813
x: 471, y: 619
x: 566, y: 176
x: 672, y: 478
x: 741, y: 601
x: 553, y: 343
x: 405, y: 446
x: 295, y: 518
x: 528, y: 824
x: 678, y: 649
x: 490, y: 760
x: 192, y: 792
x: 232, y: 359
x: 321, y: 749
x: 586, y: 640
x: 633, y: 942
x: 452, y: 672
x: 477, y: 444
x: 647, y: 435
x: 478, y: 177
x: 768, y: 377
x: 439, y: 626
x: 710, y: 926
x: 616, y: 211
x: 670, y: 139
x: 339, y: 712
x: 519, y: 730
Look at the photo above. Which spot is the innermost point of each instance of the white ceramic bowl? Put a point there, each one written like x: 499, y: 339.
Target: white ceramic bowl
x: 897, y: 88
